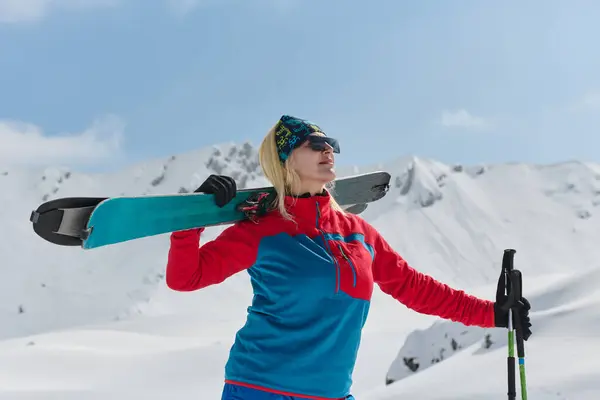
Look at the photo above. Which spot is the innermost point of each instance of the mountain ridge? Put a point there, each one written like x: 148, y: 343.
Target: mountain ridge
x: 446, y: 220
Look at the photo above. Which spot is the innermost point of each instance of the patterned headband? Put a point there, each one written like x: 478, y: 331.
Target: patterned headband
x: 291, y: 132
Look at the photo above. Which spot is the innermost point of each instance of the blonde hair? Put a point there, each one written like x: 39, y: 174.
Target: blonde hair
x: 281, y: 175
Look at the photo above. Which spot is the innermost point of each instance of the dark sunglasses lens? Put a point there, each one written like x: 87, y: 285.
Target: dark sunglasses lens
x: 333, y: 143
x: 319, y: 143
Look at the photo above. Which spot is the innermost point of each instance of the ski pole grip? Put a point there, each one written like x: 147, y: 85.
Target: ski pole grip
x: 517, y: 284
x: 504, y: 287
x: 508, y: 260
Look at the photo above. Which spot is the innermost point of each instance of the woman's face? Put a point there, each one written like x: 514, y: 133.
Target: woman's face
x: 314, y: 167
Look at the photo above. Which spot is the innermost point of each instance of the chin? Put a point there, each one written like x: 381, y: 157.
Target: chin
x: 322, y: 175
x: 329, y: 175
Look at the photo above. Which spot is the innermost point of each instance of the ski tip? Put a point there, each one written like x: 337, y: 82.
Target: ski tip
x: 48, y: 220
x: 46, y: 225
x: 357, y: 208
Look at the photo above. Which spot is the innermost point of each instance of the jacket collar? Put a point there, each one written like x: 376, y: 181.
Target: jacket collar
x: 307, y: 207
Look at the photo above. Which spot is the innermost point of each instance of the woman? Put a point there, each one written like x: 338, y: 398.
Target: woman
x: 312, y: 268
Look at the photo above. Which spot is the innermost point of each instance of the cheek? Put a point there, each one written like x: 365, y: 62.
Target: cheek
x: 304, y: 158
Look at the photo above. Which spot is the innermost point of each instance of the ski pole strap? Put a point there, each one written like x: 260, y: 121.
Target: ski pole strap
x: 256, y: 205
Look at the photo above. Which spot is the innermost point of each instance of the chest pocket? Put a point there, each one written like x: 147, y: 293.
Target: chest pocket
x: 353, y: 259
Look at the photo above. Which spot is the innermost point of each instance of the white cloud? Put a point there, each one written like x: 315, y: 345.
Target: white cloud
x: 32, y: 11
x: 462, y: 119
x: 13, y: 11
x: 21, y: 11
x: 589, y: 102
x: 23, y: 143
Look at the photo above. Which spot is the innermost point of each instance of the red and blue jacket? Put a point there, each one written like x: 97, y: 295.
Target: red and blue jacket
x: 312, y: 280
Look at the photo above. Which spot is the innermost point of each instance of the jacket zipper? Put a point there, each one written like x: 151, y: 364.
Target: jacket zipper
x: 349, y: 263
x: 337, y: 268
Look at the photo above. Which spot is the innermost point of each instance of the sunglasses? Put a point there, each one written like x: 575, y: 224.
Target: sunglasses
x: 319, y: 143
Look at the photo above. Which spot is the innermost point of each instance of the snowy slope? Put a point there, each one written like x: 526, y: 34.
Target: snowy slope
x: 454, y: 222
x: 171, y: 357
x: 561, y: 359
x: 47, y: 286
x: 450, y: 221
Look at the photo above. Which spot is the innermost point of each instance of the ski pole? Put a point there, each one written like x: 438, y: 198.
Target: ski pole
x: 516, y: 280
x: 513, y: 287
x: 507, y: 266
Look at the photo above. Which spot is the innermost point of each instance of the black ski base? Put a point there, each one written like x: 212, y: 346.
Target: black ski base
x: 49, y: 220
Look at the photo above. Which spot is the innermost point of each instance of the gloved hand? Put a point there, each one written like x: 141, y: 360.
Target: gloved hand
x: 221, y: 186
x: 501, y: 307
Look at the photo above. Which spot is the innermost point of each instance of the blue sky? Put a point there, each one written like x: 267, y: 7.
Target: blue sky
x: 99, y: 83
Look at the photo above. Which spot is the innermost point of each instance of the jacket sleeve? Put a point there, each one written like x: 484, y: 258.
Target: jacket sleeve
x: 192, y: 267
x: 422, y: 293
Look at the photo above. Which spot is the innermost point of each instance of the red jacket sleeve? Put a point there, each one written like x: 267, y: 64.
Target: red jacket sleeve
x: 192, y: 267
x: 422, y: 293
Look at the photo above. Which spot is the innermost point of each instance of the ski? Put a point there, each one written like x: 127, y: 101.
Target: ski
x: 92, y: 222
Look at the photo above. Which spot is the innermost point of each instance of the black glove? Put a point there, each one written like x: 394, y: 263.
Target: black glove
x: 222, y: 187
x: 503, y: 304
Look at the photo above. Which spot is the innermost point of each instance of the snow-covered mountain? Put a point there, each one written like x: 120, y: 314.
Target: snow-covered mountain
x: 47, y: 286
x: 450, y: 221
